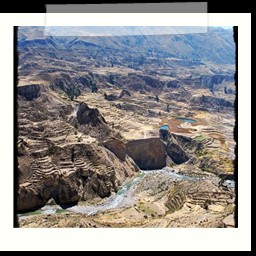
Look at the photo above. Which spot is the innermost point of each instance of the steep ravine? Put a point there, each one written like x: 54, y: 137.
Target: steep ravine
x: 82, y: 158
x: 123, y: 198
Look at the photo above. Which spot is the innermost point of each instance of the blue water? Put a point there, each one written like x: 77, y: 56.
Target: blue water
x: 164, y: 127
x: 186, y: 119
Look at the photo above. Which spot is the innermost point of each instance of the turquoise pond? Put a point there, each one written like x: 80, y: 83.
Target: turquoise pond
x: 186, y: 119
x: 164, y: 127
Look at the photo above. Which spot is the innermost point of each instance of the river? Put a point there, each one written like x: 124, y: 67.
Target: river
x: 123, y: 198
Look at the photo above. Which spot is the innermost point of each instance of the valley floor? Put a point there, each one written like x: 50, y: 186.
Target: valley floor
x: 141, y: 202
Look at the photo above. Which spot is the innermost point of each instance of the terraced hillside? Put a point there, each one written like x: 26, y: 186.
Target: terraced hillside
x: 92, y: 150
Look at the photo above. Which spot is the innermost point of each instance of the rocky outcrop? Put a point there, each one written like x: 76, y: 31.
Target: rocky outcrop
x: 174, y: 84
x: 148, y: 154
x: 73, y: 86
x: 188, y: 144
x: 152, y: 153
x: 31, y: 91
x: 140, y: 82
x: 164, y: 134
x: 86, y: 115
x: 70, y: 173
x: 151, y: 82
x: 211, y: 102
x: 180, y: 94
x: 29, y: 199
x: 210, y: 81
x: 66, y: 194
x: 37, y: 186
x: 89, y: 121
x: 110, y: 97
x: 117, y: 147
x: 34, y: 196
x: 176, y: 153
x: 124, y: 93
x: 113, y: 97
x: 63, y: 83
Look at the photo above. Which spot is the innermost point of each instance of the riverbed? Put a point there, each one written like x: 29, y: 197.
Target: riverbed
x: 123, y: 198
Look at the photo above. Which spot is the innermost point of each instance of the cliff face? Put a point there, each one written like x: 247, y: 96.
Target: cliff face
x: 176, y: 153
x: 31, y: 91
x: 68, y: 152
x: 211, y: 102
x: 210, y: 81
x: 86, y: 115
x: 34, y: 196
x: 72, y: 86
x: 69, y: 174
x: 148, y: 154
x: 61, y: 154
x: 152, y: 153
x: 117, y: 147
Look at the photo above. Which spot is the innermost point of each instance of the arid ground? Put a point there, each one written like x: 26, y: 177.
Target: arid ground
x: 126, y: 131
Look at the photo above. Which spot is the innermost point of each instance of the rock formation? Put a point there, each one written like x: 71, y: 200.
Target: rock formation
x: 125, y: 93
x: 164, y: 134
x: 173, y: 84
x: 69, y: 174
x: 31, y: 91
x: 211, y: 102
x: 90, y: 112
x: 88, y: 116
x: 148, y: 154
x: 117, y: 147
x: 176, y: 153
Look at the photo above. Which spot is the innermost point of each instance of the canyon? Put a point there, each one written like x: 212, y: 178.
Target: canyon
x: 126, y: 131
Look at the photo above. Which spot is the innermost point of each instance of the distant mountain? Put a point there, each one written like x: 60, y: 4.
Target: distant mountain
x: 217, y: 45
x: 109, y: 31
